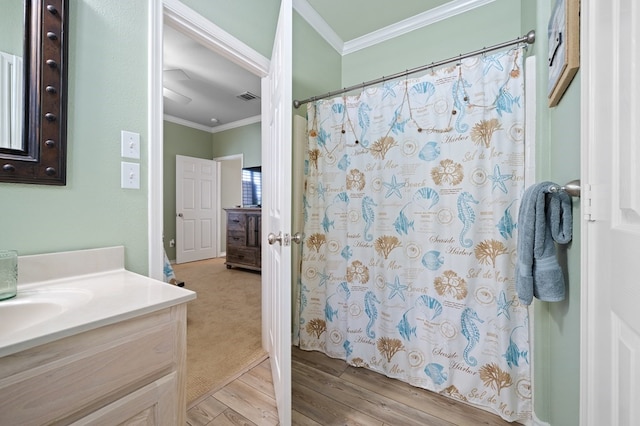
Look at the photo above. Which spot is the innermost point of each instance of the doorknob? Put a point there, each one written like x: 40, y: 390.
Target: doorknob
x: 296, y: 238
x: 272, y: 238
x: 179, y: 214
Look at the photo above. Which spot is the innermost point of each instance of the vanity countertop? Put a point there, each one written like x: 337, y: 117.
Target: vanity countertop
x: 64, y: 294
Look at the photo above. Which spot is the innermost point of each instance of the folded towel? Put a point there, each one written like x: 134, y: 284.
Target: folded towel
x: 543, y: 218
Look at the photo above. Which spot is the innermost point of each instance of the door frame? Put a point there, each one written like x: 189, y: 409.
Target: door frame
x: 220, y: 219
x: 215, y: 38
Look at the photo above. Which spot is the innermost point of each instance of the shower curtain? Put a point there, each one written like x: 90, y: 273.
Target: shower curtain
x: 412, y: 190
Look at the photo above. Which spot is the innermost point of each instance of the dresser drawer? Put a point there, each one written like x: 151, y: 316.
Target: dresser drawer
x: 242, y: 255
x: 236, y: 222
x: 236, y: 238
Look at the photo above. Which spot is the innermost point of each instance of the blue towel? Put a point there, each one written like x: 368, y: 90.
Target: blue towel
x: 543, y: 218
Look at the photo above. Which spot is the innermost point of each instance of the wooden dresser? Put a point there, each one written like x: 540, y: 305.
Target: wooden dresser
x: 244, y: 234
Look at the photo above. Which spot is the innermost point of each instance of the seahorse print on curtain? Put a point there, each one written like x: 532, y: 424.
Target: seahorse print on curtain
x: 410, y: 211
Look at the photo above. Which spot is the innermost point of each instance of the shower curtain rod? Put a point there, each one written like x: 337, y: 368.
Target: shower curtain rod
x: 528, y: 38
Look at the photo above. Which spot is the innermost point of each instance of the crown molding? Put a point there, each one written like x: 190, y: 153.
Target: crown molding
x: 316, y: 22
x: 236, y: 124
x: 421, y: 20
x: 216, y: 129
x: 191, y: 23
x: 186, y: 123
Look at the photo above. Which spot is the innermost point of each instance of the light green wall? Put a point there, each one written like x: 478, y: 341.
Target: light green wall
x: 557, y: 325
x: 178, y: 140
x: 241, y: 140
x: 316, y: 65
x: 12, y: 24
x: 107, y: 93
x: 250, y: 21
x: 494, y: 23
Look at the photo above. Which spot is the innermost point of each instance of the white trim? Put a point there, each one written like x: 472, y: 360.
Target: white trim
x: 316, y: 22
x: 196, y: 26
x: 230, y: 157
x: 155, y: 225
x: 217, y: 129
x: 187, y: 123
x: 235, y: 124
x: 420, y: 20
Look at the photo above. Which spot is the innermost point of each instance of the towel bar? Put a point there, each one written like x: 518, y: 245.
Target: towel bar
x: 572, y: 188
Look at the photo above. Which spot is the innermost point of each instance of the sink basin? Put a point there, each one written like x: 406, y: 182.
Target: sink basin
x: 32, y: 307
x: 65, y: 294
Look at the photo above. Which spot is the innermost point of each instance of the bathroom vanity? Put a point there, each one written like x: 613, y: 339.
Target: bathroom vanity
x: 87, y: 342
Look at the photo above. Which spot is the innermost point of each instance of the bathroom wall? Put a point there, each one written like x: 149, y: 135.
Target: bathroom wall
x: 178, y: 140
x: 557, y: 325
x: 493, y: 23
x: 317, y: 66
x: 107, y: 93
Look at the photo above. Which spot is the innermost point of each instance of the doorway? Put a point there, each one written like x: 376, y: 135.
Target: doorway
x: 195, y: 26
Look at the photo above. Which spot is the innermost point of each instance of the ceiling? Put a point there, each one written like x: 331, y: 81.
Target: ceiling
x: 200, y: 85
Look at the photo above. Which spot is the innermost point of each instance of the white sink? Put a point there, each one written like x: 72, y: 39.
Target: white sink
x: 33, y: 307
x: 64, y: 294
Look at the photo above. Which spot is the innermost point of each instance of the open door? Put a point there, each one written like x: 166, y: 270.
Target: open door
x: 276, y: 211
x: 610, y: 351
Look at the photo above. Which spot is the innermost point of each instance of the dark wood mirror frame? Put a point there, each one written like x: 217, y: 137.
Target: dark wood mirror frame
x: 43, y: 159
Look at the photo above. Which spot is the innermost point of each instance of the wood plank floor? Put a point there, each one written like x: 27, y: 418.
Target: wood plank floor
x: 327, y: 391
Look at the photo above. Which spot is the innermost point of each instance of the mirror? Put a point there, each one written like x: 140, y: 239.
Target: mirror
x: 39, y: 154
x: 11, y: 75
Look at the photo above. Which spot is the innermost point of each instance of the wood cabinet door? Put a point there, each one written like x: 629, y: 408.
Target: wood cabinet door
x: 151, y: 405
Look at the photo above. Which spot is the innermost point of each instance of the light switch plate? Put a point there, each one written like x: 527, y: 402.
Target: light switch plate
x: 130, y: 175
x: 130, y: 144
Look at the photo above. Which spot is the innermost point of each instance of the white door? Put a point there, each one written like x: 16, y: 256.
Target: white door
x: 276, y: 210
x: 195, y: 209
x: 610, y: 349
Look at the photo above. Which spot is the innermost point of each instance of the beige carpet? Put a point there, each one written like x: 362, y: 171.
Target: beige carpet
x: 223, y: 324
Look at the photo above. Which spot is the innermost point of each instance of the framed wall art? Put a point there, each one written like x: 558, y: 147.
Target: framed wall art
x: 564, y: 47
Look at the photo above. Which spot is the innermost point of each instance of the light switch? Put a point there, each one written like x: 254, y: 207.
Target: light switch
x: 130, y: 175
x: 130, y: 144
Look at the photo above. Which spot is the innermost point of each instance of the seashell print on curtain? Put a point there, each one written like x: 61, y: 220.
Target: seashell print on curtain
x: 412, y: 193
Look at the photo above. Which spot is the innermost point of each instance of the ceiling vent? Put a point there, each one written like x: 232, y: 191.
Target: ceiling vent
x: 247, y: 96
